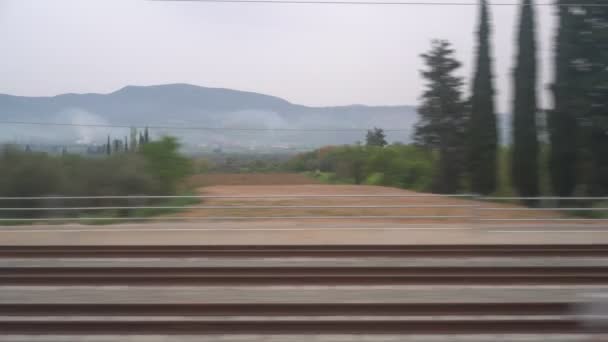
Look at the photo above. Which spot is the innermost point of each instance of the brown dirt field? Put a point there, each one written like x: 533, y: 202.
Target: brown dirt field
x: 249, y: 179
x: 262, y: 193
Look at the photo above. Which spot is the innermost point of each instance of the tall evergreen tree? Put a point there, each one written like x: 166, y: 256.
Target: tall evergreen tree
x: 376, y: 137
x: 117, y: 145
x: 146, y: 136
x: 483, y: 130
x: 108, y: 146
x: 524, y: 165
x: 133, y: 139
x: 443, y: 116
x: 126, y: 144
x: 141, y: 139
x: 595, y: 88
x: 562, y: 121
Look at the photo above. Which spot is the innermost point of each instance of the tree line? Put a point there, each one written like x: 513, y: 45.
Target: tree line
x: 132, y: 143
x: 464, y: 130
x: 156, y: 168
x: 137, y: 140
x: 375, y: 163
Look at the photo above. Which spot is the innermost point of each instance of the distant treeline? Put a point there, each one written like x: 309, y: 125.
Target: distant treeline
x: 133, y: 142
x: 241, y: 162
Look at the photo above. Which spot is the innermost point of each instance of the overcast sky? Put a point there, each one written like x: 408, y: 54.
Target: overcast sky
x: 307, y: 54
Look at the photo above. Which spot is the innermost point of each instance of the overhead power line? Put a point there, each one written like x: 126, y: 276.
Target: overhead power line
x: 200, y: 128
x: 406, y: 3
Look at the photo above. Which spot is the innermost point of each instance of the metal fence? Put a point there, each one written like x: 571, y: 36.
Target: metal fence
x: 404, y: 208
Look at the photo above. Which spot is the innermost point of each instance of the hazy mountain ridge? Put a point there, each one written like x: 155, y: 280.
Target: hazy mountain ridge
x: 189, y: 105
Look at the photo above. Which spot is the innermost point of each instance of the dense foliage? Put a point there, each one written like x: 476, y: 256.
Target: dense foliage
x: 241, y: 162
x: 579, y: 122
x: 483, y: 130
x: 524, y: 169
x: 403, y: 166
x: 376, y: 137
x: 443, y: 116
x: 155, y: 170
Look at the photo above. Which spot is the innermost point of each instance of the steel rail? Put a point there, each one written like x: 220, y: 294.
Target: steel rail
x: 234, y: 276
x: 307, y: 327
x: 279, y: 309
x: 152, y: 251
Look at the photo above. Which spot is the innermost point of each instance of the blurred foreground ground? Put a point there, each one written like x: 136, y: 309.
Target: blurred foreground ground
x: 264, y: 233
x: 424, y: 204
x: 199, y: 229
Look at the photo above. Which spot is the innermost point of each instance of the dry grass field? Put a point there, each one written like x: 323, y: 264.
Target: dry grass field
x: 272, y: 226
x: 425, y: 208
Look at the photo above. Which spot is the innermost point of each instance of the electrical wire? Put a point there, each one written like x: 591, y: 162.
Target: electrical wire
x: 202, y: 128
x: 406, y: 3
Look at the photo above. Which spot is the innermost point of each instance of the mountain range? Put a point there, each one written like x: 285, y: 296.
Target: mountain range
x: 184, y: 105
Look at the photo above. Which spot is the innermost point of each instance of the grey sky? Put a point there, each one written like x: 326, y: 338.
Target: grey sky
x: 307, y: 54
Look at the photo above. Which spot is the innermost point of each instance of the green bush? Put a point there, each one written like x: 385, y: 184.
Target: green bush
x: 165, y: 163
x: 156, y: 170
x: 376, y: 178
x: 398, y: 165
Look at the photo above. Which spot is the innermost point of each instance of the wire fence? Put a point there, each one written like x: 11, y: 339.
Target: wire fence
x: 404, y: 208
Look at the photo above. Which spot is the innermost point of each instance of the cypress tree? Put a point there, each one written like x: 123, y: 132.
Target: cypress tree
x: 524, y: 158
x: 443, y: 115
x: 146, y: 136
x: 562, y: 121
x: 595, y: 89
x: 483, y: 131
x: 376, y: 137
x: 117, y: 145
x: 108, y: 147
x: 133, y: 139
x: 584, y: 98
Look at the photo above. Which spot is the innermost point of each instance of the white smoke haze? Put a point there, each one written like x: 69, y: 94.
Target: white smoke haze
x: 255, y: 119
x: 86, y: 134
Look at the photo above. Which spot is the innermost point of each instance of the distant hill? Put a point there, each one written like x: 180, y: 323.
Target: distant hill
x: 189, y: 105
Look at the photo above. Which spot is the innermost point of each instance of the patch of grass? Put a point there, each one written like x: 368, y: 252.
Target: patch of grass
x: 328, y: 178
x: 107, y: 217
x: 171, y: 202
x: 15, y: 223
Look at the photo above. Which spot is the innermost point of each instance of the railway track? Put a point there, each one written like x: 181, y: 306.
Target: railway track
x: 281, y: 310
x: 329, y: 318
x: 105, y: 316
x: 282, y: 251
x: 231, y: 276
x: 304, y: 327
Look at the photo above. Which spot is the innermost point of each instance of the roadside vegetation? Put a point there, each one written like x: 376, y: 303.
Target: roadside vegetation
x: 154, y: 168
x: 401, y: 166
